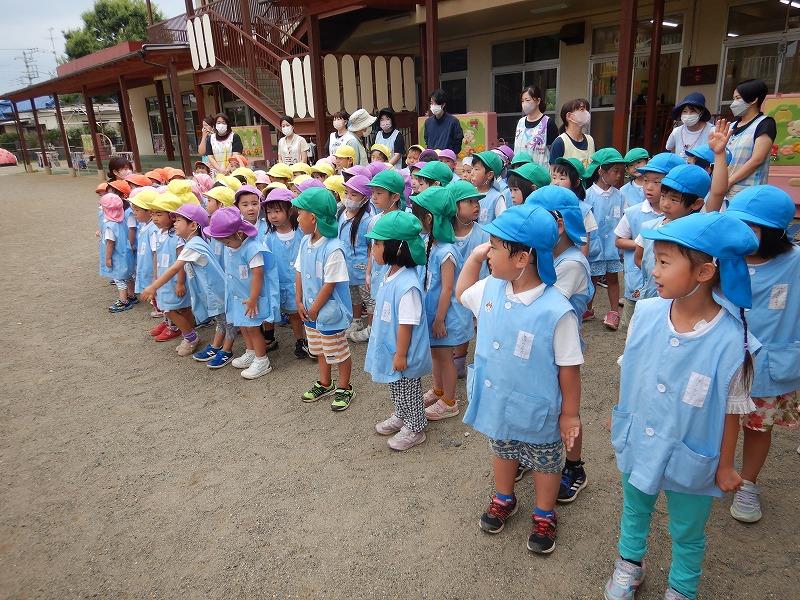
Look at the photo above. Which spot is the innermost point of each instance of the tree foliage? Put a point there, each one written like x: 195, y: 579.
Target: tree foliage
x: 107, y: 24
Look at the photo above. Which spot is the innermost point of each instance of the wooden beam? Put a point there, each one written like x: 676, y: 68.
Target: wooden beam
x: 189, y: 8
x: 127, y: 118
x: 162, y: 113
x: 64, y: 139
x: 98, y: 161
x: 177, y: 110
x: 149, y: 12
x: 622, y: 102
x: 431, y: 46
x: 42, y: 147
x: 652, y: 79
x: 200, y: 99
x: 26, y: 160
x: 318, y: 87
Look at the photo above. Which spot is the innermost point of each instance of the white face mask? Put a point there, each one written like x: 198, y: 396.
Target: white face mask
x: 386, y: 125
x: 581, y: 118
x: 528, y: 107
x: 690, y: 119
x: 739, y: 107
x: 351, y: 204
x: 221, y: 128
x: 338, y: 124
x: 287, y: 129
x: 123, y: 173
x: 436, y: 109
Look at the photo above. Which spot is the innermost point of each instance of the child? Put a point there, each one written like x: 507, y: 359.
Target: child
x: 568, y: 173
x: 774, y: 320
x: 137, y: 180
x: 433, y: 173
x: 322, y: 169
x: 262, y: 180
x: 252, y: 293
x: 155, y: 176
x: 524, y: 387
x: 522, y: 182
x: 248, y: 200
x: 633, y: 191
x: 413, y: 170
x: 283, y: 240
x: 412, y: 156
x: 219, y: 196
x: 280, y: 173
x: 205, y: 279
x: 335, y: 185
x: 486, y: 167
x: 448, y: 157
x: 117, y: 260
x: 323, y: 296
x: 245, y: 175
x: 398, y: 346
x: 300, y: 168
x: 345, y: 157
x: 201, y: 167
x: 519, y: 159
x: 682, y: 193
x: 141, y: 204
x: 356, y: 170
x: 682, y: 391
x: 449, y: 323
x: 605, y: 173
x: 379, y: 153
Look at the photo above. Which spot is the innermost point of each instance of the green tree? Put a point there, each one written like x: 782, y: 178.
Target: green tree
x: 107, y: 24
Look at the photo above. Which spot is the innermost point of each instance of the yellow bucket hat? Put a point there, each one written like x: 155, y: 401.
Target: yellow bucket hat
x: 335, y: 183
x: 248, y: 174
x: 230, y: 181
x: 383, y: 149
x: 300, y: 178
x: 345, y: 151
x: 281, y: 170
x: 166, y: 202
x: 144, y: 199
x: 301, y: 167
x: 182, y: 188
x: 222, y: 194
x: 323, y: 166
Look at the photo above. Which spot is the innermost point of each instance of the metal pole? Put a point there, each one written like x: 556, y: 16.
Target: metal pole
x: 622, y: 102
x: 45, y: 162
x: 64, y: 139
x: 98, y: 160
x: 652, y: 79
x: 162, y: 110
x: 127, y: 118
x: 177, y: 107
x: 26, y: 161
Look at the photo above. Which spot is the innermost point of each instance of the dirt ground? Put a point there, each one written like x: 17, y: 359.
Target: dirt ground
x: 128, y: 472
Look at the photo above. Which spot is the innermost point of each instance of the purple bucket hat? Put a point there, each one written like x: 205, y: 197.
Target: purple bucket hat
x: 376, y: 167
x: 507, y: 151
x: 428, y: 155
x: 279, y: 195
x: 226, y: 222
x: 447, y: 153
x: 247, y: 189
x: 417, y: 165
x: 308, y: 184
x: 359, y: 184
x: 358, y: 170
x: 194, y: 212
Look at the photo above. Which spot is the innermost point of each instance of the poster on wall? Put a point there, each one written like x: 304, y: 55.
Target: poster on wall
x: 480, y: 132
x: 784, y: 170
x: 253, y: 142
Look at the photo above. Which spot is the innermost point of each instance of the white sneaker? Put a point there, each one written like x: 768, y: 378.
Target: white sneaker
x: 746, y: 506
x: 186, y: 348
x: 356, y: 325
x: 405, y: 439
x: 245, y: 360
x: 391, y: 425
x: 260, y: 366
x: 362, y: 335
x: 441, y: 410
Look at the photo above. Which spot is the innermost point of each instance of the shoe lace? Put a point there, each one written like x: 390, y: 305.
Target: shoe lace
x: 624, y: 577
x: 499, y: 509
x: 747, y: 498
x: 543, y: 527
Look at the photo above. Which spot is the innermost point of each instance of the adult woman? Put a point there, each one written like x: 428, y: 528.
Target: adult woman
x: 390, y: 136
x: 292, y: 148
x: 695, y: 126
x: 119, y: 168
x: 340, y: 135
x: 219, y: 144
x: 360, y: 125
x: 752, y: 137
x: 535, y: 131
x: 573, y: 143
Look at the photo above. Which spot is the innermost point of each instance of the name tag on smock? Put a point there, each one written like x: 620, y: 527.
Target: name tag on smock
x: 164, y: 262
x: 524, y: 345
x: 777, y: 297
x: 697, y: 390
x: 243, y: 271
x: 319, y: 270
x: 386, y: 312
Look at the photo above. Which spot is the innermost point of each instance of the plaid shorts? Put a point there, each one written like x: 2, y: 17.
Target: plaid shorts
x: 601, y: 267
x: 543, y: 458
x: 332, y: 346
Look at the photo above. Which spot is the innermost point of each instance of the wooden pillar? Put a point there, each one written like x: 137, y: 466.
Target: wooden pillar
x: 98, y: 161
x: 162, y: 110
x: 431, y: 56
x: 177, y: 109
x: 127, y: 118
x: 26, y: 160
x: 247, y: 27
x: 149, y: 12
x: 64, y: 139
x: 45, y: 160
x: 652, y: 78
x: 123, y: 125
x: 189, y: 8
x: 622, y: 102
x: 200, y: 100
x: 318, y: 87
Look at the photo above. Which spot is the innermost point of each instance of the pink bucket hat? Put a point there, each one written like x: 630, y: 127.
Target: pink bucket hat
x: 447, y: 153
x: 376, y: 167
x: 308, y: 184
x: 261, y: 176
x: 195, y: 213
x: 279, y: 195
x: 226, y: 222
x: 204, y: 182
x: 359, y: 184
x: 358, y: 170
x: 112, y: 207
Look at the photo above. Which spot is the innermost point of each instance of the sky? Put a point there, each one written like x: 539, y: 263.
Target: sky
x: 30, y: 28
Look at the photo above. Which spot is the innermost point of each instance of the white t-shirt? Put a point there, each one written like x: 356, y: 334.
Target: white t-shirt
x: 571, y: 278
x: 409, y: 311
x: 108, y: 232
x: 589, y: 222
x: 285, y: 237
x: 289, y: 152
x: 566, y: 339
x: 193, y: 256
x: 623, y: 228
x: 335, y: 269
x: 681, y: 139
x: 131, y: 221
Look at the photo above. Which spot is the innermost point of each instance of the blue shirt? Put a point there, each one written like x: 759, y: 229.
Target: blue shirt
x: 443, y: 133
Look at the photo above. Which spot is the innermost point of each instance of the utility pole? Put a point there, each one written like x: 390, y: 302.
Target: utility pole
x: 31, y: 69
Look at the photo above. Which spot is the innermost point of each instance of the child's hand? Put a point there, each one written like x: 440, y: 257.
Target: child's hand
x: 366, y: 283
x: 400, y: 363
x: 728, y: 480
x: 311, y: 314
x: 180, y: 289
x: 439, y: 328
x: 147, y: 293
x: 251, y: 307
x: 481, y: 252
x: 570, y: 429
x: 109, y: 264
x: 718, y: 139
x: 97, y: 233
x: 301, y: 310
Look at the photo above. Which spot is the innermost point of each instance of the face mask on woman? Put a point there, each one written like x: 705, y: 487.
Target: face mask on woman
x: 739, y: 107
x: 386, y: 125
x: 690, y: 119
x: 287, y: 130
x: 436, y: 109
x: 528, y: 106
x: 581, y: 117
x: 221, y: 128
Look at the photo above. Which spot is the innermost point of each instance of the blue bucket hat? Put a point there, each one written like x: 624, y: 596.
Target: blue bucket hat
x: 566, y: 203
x: 764, y: 205
x: 533, y: 226
x: 704, y: 152
x: 662, y: 163
x: 722, y: 236
x: 695, y: 99
x: 688, y: 179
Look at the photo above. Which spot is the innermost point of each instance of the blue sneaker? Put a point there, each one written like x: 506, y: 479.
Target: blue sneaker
x: 120, y: 306
x: 625, y: 580
x: 206, y: 354
x: 573, y: 480
x: 220, y: 359
x: 133, y: 299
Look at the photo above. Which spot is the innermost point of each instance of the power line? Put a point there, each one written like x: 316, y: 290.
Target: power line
x: 31, y: 68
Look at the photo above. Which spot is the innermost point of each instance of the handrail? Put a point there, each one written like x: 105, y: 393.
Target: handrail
x: 237, y: 31
x: 170, y: 31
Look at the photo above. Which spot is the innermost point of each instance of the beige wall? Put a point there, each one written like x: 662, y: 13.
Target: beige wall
x: 706, y: 48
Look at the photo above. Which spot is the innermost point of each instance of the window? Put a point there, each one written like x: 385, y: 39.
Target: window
x: 453, y: 67
x: 452, y: 62
x: 190, y: 116
x: 766, y: 16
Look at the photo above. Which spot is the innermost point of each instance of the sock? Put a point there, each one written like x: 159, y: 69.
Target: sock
x: 448, y: 402
x: 507, y: 498
x: 544, y: 514
x: 638, y: 563
x: 191, y: 336
x: 574, y: 463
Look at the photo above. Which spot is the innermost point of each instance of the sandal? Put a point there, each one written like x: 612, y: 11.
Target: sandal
x: 588, y: 315
x: 612, y: 320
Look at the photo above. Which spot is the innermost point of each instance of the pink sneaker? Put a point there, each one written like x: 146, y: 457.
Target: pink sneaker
x: 441, y: 410
x: 429, y: 398
x: 391, y: 425
x: 612, y: 320
x: 406, y: 439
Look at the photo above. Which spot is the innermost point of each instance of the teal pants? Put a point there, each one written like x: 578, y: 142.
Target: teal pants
x: 687, y: 513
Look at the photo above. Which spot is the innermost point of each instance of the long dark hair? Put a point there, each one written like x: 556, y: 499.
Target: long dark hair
x: 422, y: 213
x: 522, y: 184
x: 286, y: 207
x: 356, y: 222
x: 774, y: 242
x: 575, y: 182
x: 115, y: 163
x: 397, y: 252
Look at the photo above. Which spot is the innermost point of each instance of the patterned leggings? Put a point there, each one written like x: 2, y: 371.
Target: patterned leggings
x: 406, y: 395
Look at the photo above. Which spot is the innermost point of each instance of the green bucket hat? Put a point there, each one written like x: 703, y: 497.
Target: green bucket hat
x: 438, y: 201
x: 635, y: 154
x: 491, y: 161
x: 403, y: 226
x: 436, y: 170
x: 602, y: 158
x: 321, y: 202
x: 462, y: 189
x: 521, y: 158
x: 393, y: 182
x: 534, y: 173
x: 575, y: 163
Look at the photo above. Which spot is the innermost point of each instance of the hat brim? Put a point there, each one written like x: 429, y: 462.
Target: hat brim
x: 705, y: 114
x: 753, y: 219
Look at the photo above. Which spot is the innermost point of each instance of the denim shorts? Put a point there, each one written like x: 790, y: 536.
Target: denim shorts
x: 544, y: 458
x: 601, y: 267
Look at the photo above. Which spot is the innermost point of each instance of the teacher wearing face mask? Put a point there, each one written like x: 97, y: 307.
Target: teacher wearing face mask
x: 292, y: 148
x: 573, y: 142
x: 390, y: 136
x: 752, y: 137
x: 695, y: 126
x: 219, y: 144
x: 535, y: 132
x: 442, y: 130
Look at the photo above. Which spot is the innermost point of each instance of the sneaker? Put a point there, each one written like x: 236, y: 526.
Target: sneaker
x: 521, y: 472
x: 362, y: 335
x: 207, y: 323
x: 573, y: 480
x: 271, y: 344
x: 746, y: 506
x: 245, y: 360
x: 625, y: 580
x: 301, y: 349
x: 588, y: 315
x: 187, y: 348
x: 495, y: 517
x: 405, y: 439
x: 430, y: 397
x: 221, y: 358
x: 461, y: 366
x: 602, y: 282
x: 355, y: 325
x: 317, y: 391
x: 441, y: 410
x: 158, y: 329
x: 342, y: 399
x: 168, y: 334
x: 391, y: 425
x: 133, y: 300
x: 260, y: 366
x: 206, y: 354
x: 120, y: 306
x: 612, y: 320
x: 671, y: 594
x: 542, y: 539
x: 156, y: 314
